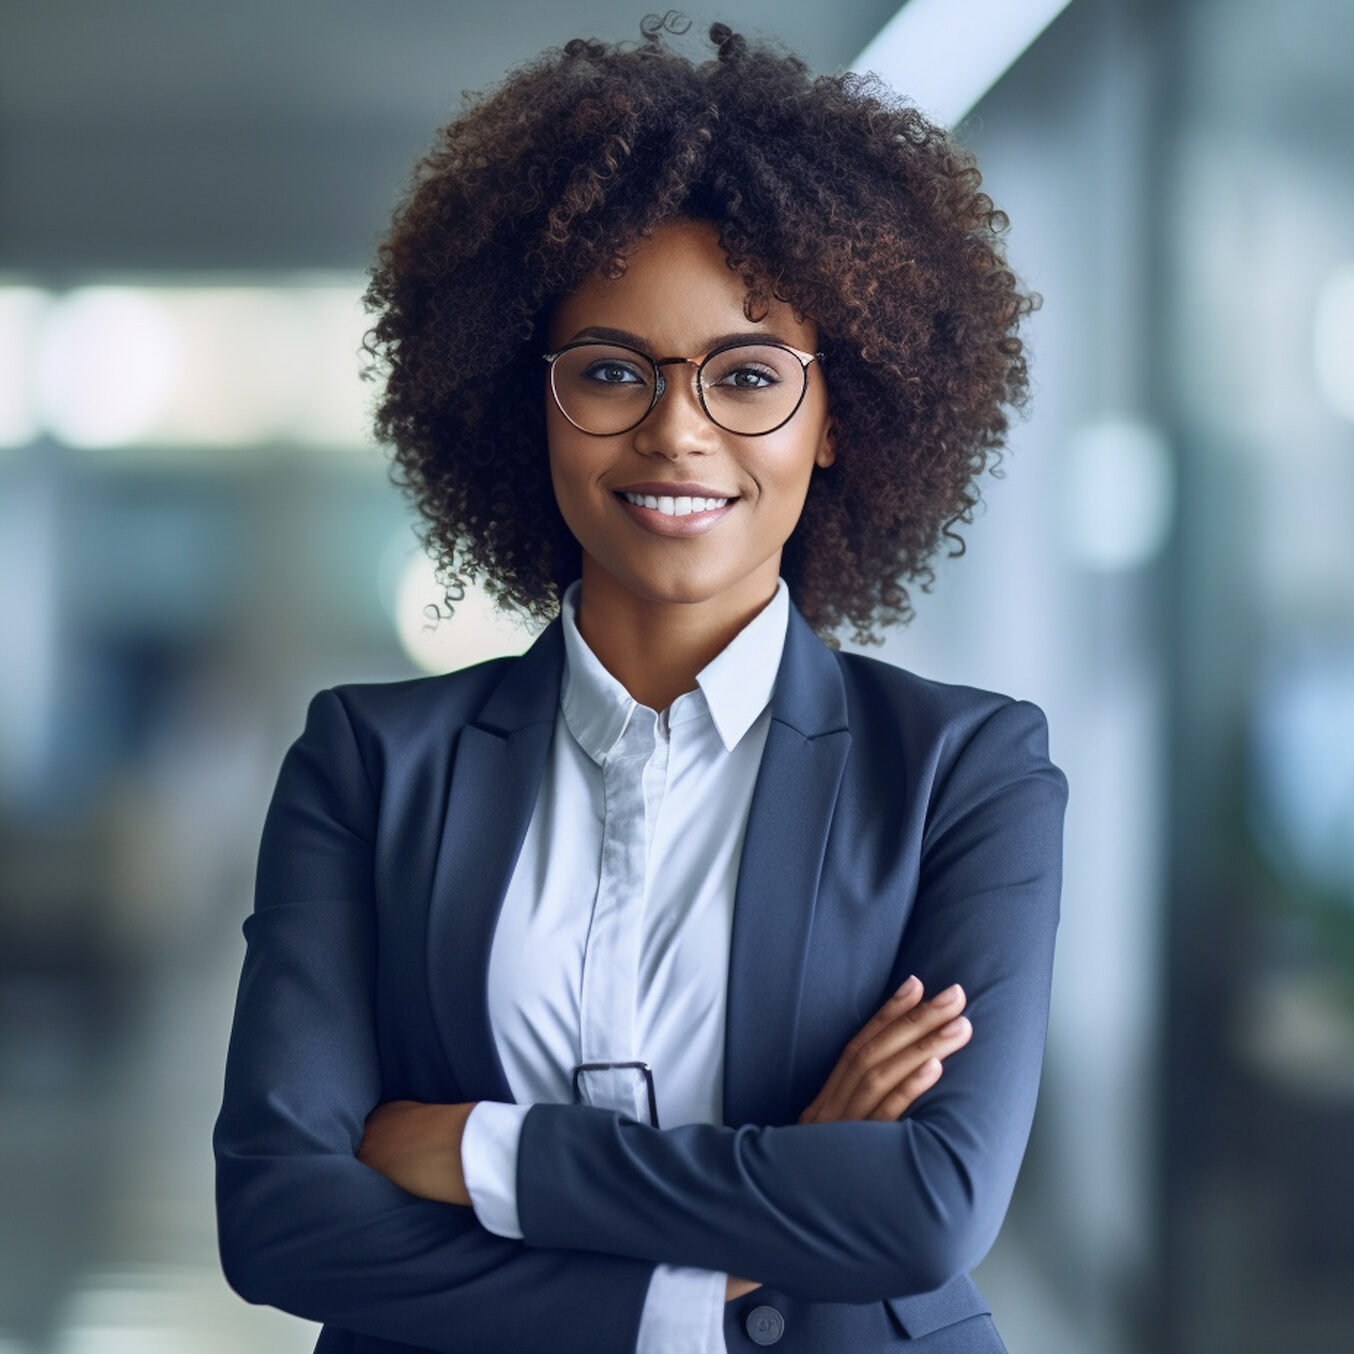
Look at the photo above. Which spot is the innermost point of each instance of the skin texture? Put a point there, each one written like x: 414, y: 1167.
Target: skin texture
x: 656, y: 609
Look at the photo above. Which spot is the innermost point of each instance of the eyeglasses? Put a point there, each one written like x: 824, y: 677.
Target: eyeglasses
x: 750, y: 387
x: 609, y: 1093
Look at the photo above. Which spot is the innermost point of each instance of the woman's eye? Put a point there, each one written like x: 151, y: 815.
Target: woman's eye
x: 749, y: 378
x: 611, y: 373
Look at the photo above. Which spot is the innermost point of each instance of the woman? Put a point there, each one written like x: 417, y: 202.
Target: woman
x: 574, y: 1014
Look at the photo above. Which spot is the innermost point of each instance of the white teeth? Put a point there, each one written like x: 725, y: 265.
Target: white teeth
x: 681, y: 506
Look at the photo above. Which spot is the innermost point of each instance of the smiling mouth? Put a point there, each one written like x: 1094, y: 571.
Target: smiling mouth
x: 682, y: 505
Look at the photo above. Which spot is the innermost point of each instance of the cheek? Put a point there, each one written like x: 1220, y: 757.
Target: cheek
x: 786, y: 466
x: 572, y: 471
x: 563, y: 452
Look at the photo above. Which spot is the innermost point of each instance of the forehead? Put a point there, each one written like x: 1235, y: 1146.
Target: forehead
x: 677, y: 293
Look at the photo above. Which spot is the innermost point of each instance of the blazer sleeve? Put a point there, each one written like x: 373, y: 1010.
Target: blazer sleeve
x: 302, y: 1224
x: 859, y: 1211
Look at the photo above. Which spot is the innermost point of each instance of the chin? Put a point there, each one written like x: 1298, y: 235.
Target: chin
x: 695, y: 586
x: 678, y: 591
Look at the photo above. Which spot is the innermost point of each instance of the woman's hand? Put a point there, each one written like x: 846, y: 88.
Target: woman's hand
x: 894, y: 1058
x: 418, y: 1146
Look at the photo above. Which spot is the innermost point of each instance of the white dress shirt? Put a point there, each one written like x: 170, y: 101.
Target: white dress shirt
x: 612, y: 944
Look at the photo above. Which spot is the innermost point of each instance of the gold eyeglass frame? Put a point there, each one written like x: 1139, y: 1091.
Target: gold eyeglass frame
x: 660, y: 385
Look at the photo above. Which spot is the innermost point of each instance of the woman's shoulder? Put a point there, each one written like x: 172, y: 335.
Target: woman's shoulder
x: 416, y: 710
x: 874, y: 685
x: 898, y: 711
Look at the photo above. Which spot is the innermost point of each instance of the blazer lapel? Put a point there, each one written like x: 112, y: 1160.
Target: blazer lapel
x: 792, y: 805
x: 499, y: 762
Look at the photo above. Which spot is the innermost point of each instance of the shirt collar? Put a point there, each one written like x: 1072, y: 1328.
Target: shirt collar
x: 734, y: 686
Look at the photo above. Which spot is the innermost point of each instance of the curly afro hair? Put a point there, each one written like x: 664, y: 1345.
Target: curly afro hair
x: 829, y: 193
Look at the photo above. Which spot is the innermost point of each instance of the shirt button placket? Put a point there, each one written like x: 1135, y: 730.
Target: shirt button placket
x: 612, y: 952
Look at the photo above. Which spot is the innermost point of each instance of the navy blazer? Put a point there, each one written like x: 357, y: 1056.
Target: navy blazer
x: 898, y: 825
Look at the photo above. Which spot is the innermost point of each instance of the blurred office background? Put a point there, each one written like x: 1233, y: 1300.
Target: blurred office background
x: 195, y: 535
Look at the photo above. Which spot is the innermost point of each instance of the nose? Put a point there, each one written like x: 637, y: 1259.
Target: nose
x: 677, y: 424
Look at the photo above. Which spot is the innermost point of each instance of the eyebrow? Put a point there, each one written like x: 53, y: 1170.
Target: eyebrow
x: 624, y: 336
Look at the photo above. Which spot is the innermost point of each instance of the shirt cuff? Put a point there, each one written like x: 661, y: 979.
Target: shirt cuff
x: 683, y: 1312
x: 489, y: 1164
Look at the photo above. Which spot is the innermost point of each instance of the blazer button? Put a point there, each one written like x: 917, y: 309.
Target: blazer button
x: 765, y: 1325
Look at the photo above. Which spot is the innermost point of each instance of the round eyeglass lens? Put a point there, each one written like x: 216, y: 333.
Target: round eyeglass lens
x: 754, y: 387
x: 603, y: 389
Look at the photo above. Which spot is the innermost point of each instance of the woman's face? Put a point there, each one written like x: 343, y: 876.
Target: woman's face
x: 679, y: 298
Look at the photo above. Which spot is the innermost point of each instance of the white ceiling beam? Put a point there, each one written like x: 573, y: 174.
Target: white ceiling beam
x: 944, y: 55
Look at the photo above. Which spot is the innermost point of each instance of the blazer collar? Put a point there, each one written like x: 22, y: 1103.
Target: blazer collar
x: 528, y: 692
x: 809, y: 695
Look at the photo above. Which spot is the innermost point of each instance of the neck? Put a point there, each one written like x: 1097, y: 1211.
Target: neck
x: 655, y: 648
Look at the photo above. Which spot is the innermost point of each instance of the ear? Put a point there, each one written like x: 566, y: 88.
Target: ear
x: 827, y: 446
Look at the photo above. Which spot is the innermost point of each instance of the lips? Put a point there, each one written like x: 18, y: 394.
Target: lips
x: 679, y: 519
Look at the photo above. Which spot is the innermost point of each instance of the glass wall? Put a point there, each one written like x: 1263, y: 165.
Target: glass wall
x: 1256, y: 368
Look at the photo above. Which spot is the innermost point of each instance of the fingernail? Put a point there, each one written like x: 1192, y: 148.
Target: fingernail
x: 956, y: 1026
x: 949, y: 995
x: 907, y: 986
